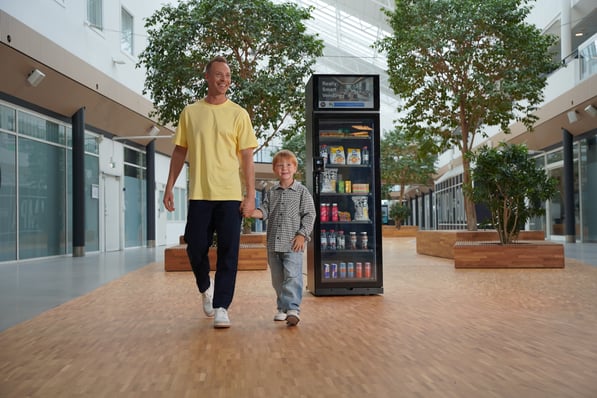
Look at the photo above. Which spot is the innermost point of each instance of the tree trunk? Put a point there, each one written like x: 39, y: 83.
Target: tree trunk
x: 469, y: 205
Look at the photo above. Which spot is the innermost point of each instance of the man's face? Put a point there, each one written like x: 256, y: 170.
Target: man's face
x: 218, y: 78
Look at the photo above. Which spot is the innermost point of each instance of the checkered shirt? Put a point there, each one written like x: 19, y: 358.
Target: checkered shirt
x: 288, y: 212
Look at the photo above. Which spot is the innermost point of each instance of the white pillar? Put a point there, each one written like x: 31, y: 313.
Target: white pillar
x: 565, y: 29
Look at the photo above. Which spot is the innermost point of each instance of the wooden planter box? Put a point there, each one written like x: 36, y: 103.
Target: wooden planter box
x: 441, y: 243
x: 252, y: 254
x: 390, y: 231
x: 522, y: 254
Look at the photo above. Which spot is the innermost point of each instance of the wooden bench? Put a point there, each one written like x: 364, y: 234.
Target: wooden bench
x: 252, y: 255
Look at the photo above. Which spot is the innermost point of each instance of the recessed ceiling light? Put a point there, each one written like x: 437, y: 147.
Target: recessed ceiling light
x: 579, y: 34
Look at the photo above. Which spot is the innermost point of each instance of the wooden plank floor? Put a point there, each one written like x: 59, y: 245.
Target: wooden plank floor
x: 435, y: 332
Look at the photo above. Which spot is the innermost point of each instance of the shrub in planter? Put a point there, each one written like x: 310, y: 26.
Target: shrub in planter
x: 399, y: 212
x: 511, y: 185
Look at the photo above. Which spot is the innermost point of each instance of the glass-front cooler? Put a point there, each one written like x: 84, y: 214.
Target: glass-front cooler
x: 344, y: 256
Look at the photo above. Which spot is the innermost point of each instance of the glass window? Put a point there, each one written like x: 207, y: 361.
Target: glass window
x: 36, y: 127
x: 134, y: 206
x: 589, y: 189
x: 94, y: 13
x: 7, y: 118
x: 588, y: 58
x: 134, y: 157
x: 42, y: 203
x: 555, y: 157
x: 91, y: 203
x: 92, y: 143
x: 8, y: 197
x: 126, y: 38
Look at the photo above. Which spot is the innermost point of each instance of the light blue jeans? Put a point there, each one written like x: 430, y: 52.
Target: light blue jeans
x: 287, y: 279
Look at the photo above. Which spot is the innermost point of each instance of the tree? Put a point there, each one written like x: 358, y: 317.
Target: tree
x: 402, y: 163
x: 265, y: 44
x: 512, y: 186
x: 463, y: 65
x: 399, y: 212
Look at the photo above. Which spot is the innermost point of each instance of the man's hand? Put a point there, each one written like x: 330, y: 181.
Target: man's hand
x: 169, y: 200
x: 247, y: 206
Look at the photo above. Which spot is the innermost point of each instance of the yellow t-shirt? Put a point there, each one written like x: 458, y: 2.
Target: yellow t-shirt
x: 214, y: 135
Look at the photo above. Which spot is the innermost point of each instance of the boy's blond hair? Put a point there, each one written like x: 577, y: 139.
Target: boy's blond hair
x: 284, y: 154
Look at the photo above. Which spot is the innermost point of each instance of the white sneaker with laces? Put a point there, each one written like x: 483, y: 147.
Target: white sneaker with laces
x: 221, y: 319
x: 292, y: 317
x: 280, y: 316
x: 208, y: 296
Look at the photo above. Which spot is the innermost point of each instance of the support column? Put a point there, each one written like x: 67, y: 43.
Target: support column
x: 78, y: 161
x: 423, y: 217
x: 569, y: 213
x: 416, y: 212
x: 565, y: 29
x: 150, y: 185
x: 431, y: 215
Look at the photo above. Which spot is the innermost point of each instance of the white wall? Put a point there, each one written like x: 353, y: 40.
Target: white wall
x: 64, y: 24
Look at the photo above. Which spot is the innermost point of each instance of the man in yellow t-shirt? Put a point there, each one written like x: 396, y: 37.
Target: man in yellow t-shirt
x: 218, y: 138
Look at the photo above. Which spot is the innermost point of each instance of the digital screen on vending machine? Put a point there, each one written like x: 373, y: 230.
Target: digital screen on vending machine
x: 347, y: 92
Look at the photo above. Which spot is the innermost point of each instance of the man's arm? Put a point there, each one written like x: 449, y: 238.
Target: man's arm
x: 179, y: 154
x: 248, y: 204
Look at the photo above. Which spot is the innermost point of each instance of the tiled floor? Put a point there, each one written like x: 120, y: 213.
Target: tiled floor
x: 435, y: 332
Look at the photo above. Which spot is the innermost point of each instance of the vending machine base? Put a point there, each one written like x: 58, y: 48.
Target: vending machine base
x: 347, y: 291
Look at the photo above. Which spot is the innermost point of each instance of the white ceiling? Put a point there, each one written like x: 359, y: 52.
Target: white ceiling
x: 349, y: 28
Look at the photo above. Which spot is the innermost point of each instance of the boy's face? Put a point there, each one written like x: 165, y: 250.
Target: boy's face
x: 284, y: 169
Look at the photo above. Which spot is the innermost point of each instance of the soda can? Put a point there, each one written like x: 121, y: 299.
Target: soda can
x: 326, y: 271
x: 334, y: 271
x: 359, y: 270
x: 342, y: 270
x: 367, y: 270
x: 350, y: 270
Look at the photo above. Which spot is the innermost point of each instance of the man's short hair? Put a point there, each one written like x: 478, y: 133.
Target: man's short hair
x: 219, y: 58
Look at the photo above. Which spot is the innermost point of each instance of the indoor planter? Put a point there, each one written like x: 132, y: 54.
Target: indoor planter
x: 399, y: 212
x: 513, y: 188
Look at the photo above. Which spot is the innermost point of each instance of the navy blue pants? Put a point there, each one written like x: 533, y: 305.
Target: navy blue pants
x: 223, y: 217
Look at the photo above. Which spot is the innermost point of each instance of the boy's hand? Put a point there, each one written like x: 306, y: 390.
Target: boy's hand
x: 298, y: 243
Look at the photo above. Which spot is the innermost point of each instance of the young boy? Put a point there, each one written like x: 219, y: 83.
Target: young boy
x: 290, y: 213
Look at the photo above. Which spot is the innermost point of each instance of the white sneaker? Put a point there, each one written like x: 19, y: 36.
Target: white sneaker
x: 280, y: 316
x: 221, y: 320
x: 208, y: 296
x: 292, y: 317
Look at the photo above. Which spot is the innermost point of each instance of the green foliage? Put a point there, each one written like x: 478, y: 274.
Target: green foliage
x: 399, y: 212
x: 402, y: 163
x: 269, y: 53
x: 247, y: 224
x: 460, y: 65
x: 512, y: 186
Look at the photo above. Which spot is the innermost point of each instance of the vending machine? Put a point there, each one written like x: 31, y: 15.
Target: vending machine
x: 344, y: 256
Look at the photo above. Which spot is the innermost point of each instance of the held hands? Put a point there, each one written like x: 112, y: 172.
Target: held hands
x: 247, y: 207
